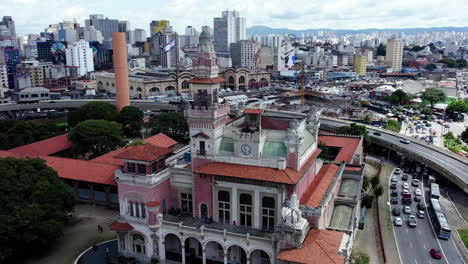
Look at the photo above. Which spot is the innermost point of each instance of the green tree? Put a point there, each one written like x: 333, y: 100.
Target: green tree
x: 457, y: 107
x: 95, y: 137
x: 393, y: 125
x: 381, y: 50
x: 365, y: 182
x: 378, y: 191
x: 417, y: 48
x: 433, y: 95
x: 18, y: 133
x: 131, y: 119
x: 464, y: 135
x: 34, y: 206
x: 399, y: 96
x: 426, y: 111
x: 367, y: 119
x: 92, y: 111
x: 431, y: 66
x: 461, y: 63
x: 173, y: 124
x: 448, y: 63
x: 375, y: 181
x: 357, y: 257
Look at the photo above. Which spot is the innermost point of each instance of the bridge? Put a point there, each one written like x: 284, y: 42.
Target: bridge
x: 448, y: 164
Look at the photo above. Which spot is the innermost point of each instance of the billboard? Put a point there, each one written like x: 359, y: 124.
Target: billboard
x: 285, y: 56
x: 160, y: 26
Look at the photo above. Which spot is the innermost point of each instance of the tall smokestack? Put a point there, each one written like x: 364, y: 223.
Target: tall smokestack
x: 119, y: 45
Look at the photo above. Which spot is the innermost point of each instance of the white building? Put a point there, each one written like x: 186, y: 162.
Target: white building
x: 394, y: 56
x: 3, y: 76
x: 139, y: 35
x: 80, y: 55
x: 229, y: 28
x: 245, y: 54
x: 91, y: 34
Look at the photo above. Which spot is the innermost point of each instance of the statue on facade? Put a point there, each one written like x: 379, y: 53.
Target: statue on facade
x: 291, y: 214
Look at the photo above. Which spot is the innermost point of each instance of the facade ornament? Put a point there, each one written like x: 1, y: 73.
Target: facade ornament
x: 292, y: 215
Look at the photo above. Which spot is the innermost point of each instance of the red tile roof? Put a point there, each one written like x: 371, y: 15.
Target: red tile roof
x: 161, y: 140
x: 119, y: 226
x: 319, y: 247
x: 207, y: 80
x: 274, y: 124
x: 145, y: 152
x: 352, y: 168
x: 287, y: 175
x: 318, y: 188
x: 252, y: 111
x: 348, y: 146
x: 109, y: 158
x: 45, y: 147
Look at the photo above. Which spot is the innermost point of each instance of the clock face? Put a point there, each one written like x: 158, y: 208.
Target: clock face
x: 246, y: 149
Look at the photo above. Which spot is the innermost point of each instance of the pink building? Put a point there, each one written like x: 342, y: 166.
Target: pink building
x: 254, y: 192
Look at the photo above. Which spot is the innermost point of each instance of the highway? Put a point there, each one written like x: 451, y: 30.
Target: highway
x: 454, y: 168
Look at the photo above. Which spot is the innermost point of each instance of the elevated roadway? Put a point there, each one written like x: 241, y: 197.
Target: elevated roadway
x: 448, y: 164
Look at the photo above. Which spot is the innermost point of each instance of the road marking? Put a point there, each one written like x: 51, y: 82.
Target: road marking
x: 406, y: 229
x: 415, y: 261
x: 424, y: 246
x: 419, y: 230
x: 411, y: 244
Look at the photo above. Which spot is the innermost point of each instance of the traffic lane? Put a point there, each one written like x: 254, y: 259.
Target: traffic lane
x: 414, y: 243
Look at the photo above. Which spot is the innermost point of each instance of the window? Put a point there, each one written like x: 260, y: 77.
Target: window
x: 130, y: 208
x: 245, y: 209
x: 224, y: 207
x: 164, y: 206
x: 131, y: 167
x: 143, y: 210
x: 204, y: 212
x: 154, y: 167
x: 141, y: 169
x: 186, y: 202
x: 268, y: 213
x: 138, y: 242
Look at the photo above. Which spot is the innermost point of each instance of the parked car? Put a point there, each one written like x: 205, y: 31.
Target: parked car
x: 421, y: 206
x: 377, y: 134
x: 396, y: 211
x: 404, y: 177
x: 394, y: 193
x: 397, y: 171
x: 405, y: 185
x: 436, y: 253
x: 417, y: 198
x: 415, y: 182
x: 397, y: 221
x: 421, y: 214
x: 394, y: 200
x: 417, y: 192
x: 407, y: 209
x: 394, y: 179
x: 393, y: 186
x: 412, y: 221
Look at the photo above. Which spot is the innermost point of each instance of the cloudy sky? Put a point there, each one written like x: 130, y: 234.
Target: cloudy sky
x: 32, y: 16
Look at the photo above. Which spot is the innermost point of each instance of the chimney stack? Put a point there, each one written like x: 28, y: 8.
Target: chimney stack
x: 119, y: 45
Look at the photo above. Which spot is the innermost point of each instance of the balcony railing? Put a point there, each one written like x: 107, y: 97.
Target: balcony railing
x: 150, y: 179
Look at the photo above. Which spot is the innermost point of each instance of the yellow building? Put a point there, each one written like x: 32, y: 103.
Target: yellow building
x: 37, y: 75
x: 360, y: 64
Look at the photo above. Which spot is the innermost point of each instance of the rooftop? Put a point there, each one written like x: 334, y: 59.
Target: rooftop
x: 318, y: 188
x: 348, y: 146
x: 145, y: 152
x: 45, y: 147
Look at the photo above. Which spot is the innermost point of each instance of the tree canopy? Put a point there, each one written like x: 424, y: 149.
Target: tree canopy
x: 94, y: 138
x: 93, y: 111
x: 448, y: 63
x: 433, y: 95
x: 462, y: 63
x: 354, y: 129
x: 367, y: 119
x: 464, y: 135
x: 173, y: 124
x: 399, y: 96
x: 417, y: 48
x: 431, y: 66
x: 457, y: 107
x: 381, y: 50
x: 131, y: 119
x: 34, y: 206
x: 16, y: 133
x: 393, y: 125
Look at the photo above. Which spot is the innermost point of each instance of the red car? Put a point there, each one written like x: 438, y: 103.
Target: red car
x: 436, y: 253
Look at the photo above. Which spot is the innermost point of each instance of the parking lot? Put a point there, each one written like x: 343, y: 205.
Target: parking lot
x: 414, y: 243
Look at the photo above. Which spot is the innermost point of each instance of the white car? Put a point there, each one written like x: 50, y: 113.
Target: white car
x: 405, y: 185
x: 421, y: 214
x: 417, y: 191
x: 397, y: 171
x: 415, y: 183
x: 397, y: 221
x: 407, y: 210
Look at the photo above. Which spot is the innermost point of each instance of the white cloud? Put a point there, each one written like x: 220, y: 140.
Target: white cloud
x: 35, y: 15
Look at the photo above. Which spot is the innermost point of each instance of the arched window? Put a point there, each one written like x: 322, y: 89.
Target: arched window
x: 241, y: 80
x: 231, y: 80
x: 139, y: 89
x: 185, y: 85
x: 138, y: 242
x: 154, y: 90
x: 107, y: 83
x: 224, y: 207
x: 268, y: 213
x: 131, y: 88
x: 204, y: 212
x: 245, y: 202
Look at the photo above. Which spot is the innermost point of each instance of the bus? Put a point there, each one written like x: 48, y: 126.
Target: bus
x: 435, y: 192
x: 439, y: 222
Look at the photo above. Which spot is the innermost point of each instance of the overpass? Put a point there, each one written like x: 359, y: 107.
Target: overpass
x: 448, y: 164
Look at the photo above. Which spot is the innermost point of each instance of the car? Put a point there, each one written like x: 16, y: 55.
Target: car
x: 405, y: 191
x: 421, y: 214
x: 405, y: 185
x: 405, y: 141
x: 394, y: 200
x: 394, y: 193
x: 396, y: 211
x: 415, y: 182
x: 397, y: 171
x: 417, y: 192
x: 377, y: 134
x: 394, y: 179
x: 417, y: 198
x: 407, y: 209
x: 436, y: 253
x: 412, y: 221
x: 404, y: 177
x: 397, y: 221
x: 393, y: 186
x: 421, y: 206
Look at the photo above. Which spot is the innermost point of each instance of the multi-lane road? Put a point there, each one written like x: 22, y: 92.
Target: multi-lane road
x: 414, y: 244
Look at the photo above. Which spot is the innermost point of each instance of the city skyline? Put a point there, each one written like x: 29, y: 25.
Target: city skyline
x: 29, y: 14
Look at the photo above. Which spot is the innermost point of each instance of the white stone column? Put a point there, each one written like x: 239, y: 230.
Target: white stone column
x: 162, y: 249
x: 225, y: 256
x: 183, y: 252
x: 234, y: 206
x: 204, y: 255
x: 256, y: 210
x: 279, y: 205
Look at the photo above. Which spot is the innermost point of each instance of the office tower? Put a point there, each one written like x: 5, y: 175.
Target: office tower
x: 191, y: 31
x: 91, y: 34
x: 124, y: 26
x: 245, y: 54
x: 394, y: 56
x: 139, y: 35
x: 360, y: 64
x: 105, y: 25
x: 11, y: 59
x: 119, y: 45
x: 166, y: 49
x: 80, y: 55
x: 159, y: 26
x: 229, y: 28
x: 67, y: 31
x: 10, y: 30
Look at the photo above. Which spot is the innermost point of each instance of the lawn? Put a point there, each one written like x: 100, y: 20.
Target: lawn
x: 464, y: 235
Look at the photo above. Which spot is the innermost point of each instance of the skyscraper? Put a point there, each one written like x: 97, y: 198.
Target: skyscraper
x: 9, y: 24
x: 245, y: 54
x: 394, y: 55
x: 166, y: 57
x: 159, y: 26
x: 11, y: 58
x: 80, y: 55
x: 229, y: 28
x: 360, y: 64
x: 105, y: 25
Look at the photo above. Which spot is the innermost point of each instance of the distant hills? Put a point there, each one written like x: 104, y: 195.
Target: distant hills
x: 264, y: 30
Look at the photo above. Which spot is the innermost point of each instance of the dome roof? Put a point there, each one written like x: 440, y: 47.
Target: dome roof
x: 186, y: 61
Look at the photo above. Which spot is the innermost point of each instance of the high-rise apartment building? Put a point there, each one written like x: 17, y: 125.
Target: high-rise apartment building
x: 394, y: 56
x: 360, y: 64
x: 3, y: 76
x: 229, y: 28
x: 245, y: 54
x: 80, y: 55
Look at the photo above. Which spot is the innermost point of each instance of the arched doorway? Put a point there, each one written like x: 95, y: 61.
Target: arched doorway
x: 231, y: 83
x: 241, y: 82
x: 170, y: 90
x: 214, y: 252
x: 100, y: 86
x: 154, y: 91
x: 173, y: 248
x: 138, y: 244
x: 237, y: 255
x: 193, y: 251
x: 259, y: 256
